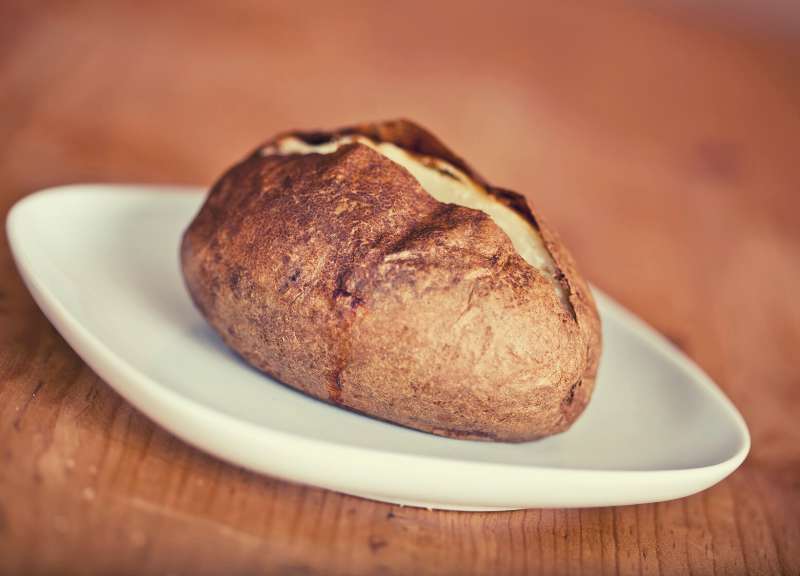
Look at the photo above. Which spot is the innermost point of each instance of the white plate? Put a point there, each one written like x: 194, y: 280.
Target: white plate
x: 101, y: 262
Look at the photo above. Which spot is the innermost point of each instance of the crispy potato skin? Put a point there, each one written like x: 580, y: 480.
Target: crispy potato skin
x: 340, y: 276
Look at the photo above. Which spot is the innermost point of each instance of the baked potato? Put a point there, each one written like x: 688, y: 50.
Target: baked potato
x: 372, y: 268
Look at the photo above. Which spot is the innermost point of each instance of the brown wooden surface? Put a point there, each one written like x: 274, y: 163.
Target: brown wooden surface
x: 665, y: 149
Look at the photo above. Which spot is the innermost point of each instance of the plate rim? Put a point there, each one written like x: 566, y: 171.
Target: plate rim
x: 136, y: 387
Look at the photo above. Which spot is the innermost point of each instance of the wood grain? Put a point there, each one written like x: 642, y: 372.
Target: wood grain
x: 663, y: 147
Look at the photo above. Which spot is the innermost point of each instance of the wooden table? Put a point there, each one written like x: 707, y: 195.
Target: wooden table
x: 665, y: 148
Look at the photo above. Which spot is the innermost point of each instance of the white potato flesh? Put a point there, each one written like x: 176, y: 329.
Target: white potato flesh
x: 449, y: 185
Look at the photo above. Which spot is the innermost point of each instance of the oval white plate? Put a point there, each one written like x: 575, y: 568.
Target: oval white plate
x: 101, y: 262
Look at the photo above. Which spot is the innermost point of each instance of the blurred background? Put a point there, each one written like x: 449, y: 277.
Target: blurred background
x: 650, y: 134
x: 662, y: 139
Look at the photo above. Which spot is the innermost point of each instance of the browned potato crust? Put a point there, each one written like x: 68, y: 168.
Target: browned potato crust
x: 339, y: 275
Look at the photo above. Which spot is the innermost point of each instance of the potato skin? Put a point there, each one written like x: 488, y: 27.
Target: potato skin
x: 340, y: 276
